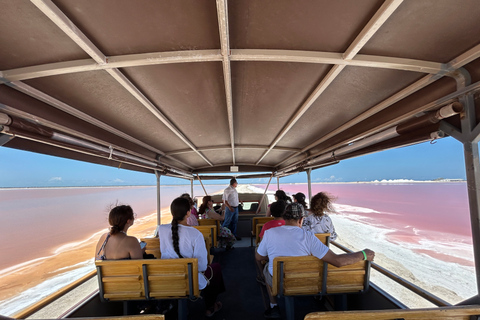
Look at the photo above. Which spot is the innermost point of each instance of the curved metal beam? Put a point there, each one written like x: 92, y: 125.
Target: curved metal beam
x: 157, y: 58
x: 244, y: 147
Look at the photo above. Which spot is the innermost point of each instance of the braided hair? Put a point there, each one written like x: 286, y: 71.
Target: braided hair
x: 118, y: 218
x: 179, y: 209
x: 321, y: 203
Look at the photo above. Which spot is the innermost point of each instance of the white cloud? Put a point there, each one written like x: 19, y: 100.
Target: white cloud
x: 55, y: 179
x: 118, y: 180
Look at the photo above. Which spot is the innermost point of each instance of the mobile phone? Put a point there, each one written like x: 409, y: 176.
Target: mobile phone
x: 143, y: 244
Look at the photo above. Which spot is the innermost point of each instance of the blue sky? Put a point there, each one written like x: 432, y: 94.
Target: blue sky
x: 443, y: 159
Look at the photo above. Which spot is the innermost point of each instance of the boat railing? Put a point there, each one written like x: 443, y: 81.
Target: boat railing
x: 407, y: 284
x: 54, y: 296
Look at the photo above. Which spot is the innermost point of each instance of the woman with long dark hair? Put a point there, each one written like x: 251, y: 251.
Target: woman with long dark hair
x: 206, y: 211
x: 116, y: 244
x: 279, y: 195
x: 178, y: 240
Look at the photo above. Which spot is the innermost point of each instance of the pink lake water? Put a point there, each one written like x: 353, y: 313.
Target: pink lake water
x: 414, y: 213
x: 43, y: 219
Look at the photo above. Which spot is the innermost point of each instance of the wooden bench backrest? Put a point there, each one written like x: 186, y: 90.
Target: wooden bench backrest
x: 305, y: 275
x: 258, y: 229
x: 145, y: 279
x: 209, y: 222
x: 301, y: 276
x: 257, y: 220
x: 209, y: 231
x: 153, y: 246
x: 454, y: 312
x: 324, y: 237
x: 348, y: 279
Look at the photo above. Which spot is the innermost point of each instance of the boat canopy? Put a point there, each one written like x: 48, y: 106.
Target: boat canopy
x: 190, y: 87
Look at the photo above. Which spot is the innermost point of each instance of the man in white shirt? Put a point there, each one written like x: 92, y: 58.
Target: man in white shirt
x: 291, y: 240
x: 230, y: 199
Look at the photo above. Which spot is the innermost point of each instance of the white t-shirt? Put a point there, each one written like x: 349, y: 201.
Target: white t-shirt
x: 290, y: 241
x: 191, y: 244
x: 231, y: 195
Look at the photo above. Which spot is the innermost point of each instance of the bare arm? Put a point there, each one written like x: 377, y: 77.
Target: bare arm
x: 259, y: 257
x: 340, y: 260
x: 269, y: 214
x: 99, y: 245
x: 134, y: 248
x: 215, y: 216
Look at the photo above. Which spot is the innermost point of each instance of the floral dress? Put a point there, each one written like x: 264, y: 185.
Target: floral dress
x: 225, y: 236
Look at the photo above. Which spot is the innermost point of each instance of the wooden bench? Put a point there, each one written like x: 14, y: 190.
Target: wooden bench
x: 308, y: 275
x: 324, y: 237
x: 255, y: 221
x: 209, y: 231
x: 451, y: 313
x: 209, y: 222
x: 149, y: 279
x: 153, y: 246
x: 258, y: 230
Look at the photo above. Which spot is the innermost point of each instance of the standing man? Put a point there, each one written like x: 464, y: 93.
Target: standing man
x: 230, y: 199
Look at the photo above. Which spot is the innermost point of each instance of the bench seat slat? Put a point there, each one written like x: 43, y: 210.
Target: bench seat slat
x: 131, y: 278
x: 123, y: 295
x: 167, y: 277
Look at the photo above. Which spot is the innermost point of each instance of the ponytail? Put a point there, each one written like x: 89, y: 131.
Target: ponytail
x: 179, y: 209
x: 176, y: 238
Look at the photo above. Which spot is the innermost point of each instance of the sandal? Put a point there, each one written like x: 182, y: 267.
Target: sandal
x: 218, y: 305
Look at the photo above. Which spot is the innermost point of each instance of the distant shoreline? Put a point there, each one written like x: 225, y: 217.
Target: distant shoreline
x: 397, y: 181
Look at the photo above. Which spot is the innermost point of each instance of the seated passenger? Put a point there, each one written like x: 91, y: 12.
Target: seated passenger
x: 192, y: 219
x: 206, y: 211
x: 277, y: 208
x: 178, y: 240
x: 291, y: 240
x: 279, y: 195
x: 317, y: 221
x: 300, y: 198
x: 116, y: 244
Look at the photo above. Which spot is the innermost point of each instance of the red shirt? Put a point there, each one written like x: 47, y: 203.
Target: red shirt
x: 271, y: 224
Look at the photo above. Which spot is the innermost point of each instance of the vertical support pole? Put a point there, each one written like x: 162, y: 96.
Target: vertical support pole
x: 159, y: 204
x: 278, y: 183
x: 182, y: 309
x: 472, y: 167
x: 289, y: 307
x: 309, y: 178
x: 191, y: 188
x: 261, y: 200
